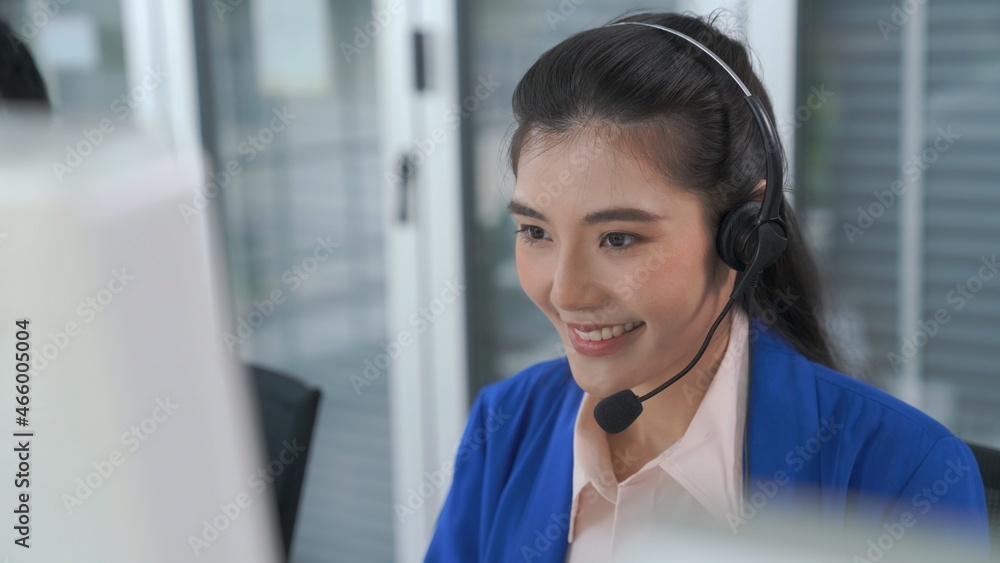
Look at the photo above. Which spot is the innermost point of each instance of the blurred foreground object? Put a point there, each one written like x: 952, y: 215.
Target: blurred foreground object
x: 145, y: 436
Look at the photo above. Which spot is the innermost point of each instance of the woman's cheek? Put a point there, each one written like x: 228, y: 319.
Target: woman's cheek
x: 632, y: 277
x: 530, y: 272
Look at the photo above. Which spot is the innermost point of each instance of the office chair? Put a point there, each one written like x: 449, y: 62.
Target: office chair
x: 288, y: 408
x: 988, y: 460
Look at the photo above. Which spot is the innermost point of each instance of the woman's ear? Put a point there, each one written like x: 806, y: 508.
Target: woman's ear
x: 758, y: 192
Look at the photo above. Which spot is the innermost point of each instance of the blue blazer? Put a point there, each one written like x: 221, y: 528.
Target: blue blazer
x: 816, y: 439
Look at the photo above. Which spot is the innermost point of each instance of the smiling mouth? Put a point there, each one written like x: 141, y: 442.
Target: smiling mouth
x: 608, y: 332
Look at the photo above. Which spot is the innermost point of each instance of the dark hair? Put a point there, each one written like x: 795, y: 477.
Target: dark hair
x: 659, y: 96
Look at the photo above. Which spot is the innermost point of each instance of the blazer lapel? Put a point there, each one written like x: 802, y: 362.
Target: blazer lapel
x: 547, y: 475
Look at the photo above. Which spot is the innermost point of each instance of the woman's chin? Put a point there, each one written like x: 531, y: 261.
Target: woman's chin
x: 598, y: 386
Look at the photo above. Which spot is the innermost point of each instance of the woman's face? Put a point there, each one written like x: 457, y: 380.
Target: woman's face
x: 617, y: 259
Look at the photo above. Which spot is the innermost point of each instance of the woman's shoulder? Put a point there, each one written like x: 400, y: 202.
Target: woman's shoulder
x: 546, y: 380
x: 892, y: 445
x: 837, y: 393
x: 822, y: 426
x: 892, y: 450
x: 844, y: 393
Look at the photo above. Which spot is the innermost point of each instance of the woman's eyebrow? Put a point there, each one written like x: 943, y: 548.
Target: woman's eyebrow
x: 517, y: 208
x: 621, y: 214
x: 603, y: 216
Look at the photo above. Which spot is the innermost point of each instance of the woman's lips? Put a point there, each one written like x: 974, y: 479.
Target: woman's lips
x: 598, y: 348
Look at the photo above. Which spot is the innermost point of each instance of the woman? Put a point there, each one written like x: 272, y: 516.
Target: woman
x: 630, y: 149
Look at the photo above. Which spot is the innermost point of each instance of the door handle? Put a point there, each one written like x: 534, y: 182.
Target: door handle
x: 406, y: 170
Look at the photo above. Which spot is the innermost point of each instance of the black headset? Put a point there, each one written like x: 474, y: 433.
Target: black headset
x: 750, y: 238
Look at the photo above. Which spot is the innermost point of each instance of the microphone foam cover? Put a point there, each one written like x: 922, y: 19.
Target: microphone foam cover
x: 617, y: 412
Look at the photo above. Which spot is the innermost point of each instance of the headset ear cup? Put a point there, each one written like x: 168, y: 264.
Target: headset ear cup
x: 736, y: 237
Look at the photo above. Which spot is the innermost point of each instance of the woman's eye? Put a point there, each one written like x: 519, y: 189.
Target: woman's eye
x: 620, y: 241
x: 531, y: 234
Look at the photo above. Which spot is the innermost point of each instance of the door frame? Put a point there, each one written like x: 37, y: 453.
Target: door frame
x: 425, y: 293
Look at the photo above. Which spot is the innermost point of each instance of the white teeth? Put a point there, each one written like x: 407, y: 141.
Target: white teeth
x: 607, y: 332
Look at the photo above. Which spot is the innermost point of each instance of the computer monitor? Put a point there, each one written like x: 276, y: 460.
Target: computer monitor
x: 134, y: 431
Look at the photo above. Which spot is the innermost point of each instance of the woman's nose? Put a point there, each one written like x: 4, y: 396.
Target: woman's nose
x: 575, y: 285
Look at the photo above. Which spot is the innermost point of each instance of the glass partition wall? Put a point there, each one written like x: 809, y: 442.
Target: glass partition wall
x: 899, y: 189
x: 292, y: 129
